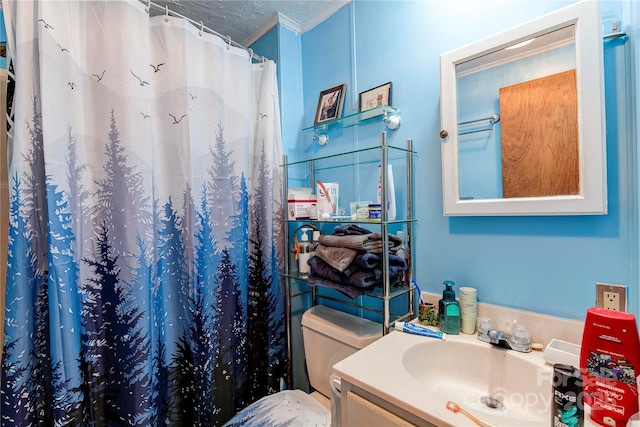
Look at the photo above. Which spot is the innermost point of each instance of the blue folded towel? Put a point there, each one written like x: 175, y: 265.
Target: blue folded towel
x: 350, y: 291
x: 350, y: 230
x: 362, y: 275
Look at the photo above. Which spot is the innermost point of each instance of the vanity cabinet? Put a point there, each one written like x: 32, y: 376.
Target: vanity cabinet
x: 363, y: 164
x: 362, y: 409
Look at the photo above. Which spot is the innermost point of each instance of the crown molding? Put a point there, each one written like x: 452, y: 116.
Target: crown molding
x: 274, y: 20
x: 322, y: 15
x: 298, y: 28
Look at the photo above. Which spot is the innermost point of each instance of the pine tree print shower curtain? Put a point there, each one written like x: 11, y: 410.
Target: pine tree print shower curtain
x: 145, y: 229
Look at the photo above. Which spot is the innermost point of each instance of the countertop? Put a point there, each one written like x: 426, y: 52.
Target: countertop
x: 378, y: 369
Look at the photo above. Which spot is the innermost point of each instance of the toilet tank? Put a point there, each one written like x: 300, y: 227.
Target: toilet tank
x: 329, y: 336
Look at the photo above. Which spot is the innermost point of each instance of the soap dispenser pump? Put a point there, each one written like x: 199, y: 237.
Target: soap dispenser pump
x: 449, y: 310
x: 304, y: 253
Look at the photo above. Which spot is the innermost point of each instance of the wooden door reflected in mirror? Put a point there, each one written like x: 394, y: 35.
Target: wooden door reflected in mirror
x: 539, y: 137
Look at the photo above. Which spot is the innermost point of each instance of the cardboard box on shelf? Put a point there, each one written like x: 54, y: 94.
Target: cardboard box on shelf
x: 301, y: 204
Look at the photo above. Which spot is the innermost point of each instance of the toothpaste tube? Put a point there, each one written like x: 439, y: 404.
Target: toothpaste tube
x: 416, y: 329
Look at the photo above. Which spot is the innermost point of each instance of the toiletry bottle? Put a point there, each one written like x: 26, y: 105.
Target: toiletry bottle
x: 567, y: 404
x: 315, y: 237
x: 304, y: 253
x: 391, y: 195
x: 610, y: 361
x: 391, y: 192
x: 449, y: 310
x: 315, y: 241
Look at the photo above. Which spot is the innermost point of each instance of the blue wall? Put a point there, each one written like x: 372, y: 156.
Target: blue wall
x: 542, y: 264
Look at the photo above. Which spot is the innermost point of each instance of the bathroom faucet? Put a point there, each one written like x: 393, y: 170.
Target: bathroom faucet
x: 519, y: 339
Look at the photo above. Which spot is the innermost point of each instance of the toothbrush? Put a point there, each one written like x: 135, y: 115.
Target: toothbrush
x: 413, y: 282
x: 453, y: 407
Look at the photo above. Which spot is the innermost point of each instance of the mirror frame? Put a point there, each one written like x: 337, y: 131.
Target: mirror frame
x: 592, y: 197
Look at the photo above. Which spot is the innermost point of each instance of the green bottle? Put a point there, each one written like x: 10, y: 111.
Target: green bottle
x: 449, y: 310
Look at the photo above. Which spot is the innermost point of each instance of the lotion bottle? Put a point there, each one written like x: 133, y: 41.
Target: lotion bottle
x: 304, y: 253
x: 449, y: 310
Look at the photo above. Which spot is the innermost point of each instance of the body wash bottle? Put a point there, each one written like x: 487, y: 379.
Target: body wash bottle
x: 449, y: 310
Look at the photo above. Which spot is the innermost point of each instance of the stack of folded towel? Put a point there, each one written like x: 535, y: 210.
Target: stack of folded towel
x: 350, y: 260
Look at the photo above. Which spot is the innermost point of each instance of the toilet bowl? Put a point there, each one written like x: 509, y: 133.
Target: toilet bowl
x: 329, y: 336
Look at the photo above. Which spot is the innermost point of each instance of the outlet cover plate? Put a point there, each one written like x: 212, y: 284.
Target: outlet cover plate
x: 611, y: 296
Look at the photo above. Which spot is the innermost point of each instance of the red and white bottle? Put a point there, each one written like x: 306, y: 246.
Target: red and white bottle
x: 609, y: 361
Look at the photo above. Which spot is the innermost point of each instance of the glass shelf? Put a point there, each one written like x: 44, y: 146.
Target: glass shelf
x: 351, y: 221
x: 393, y: 292
x: 375, y: 153
x: 354, y: 119
x: 376, y: 292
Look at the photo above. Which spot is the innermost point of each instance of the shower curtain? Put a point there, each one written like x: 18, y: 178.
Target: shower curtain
x: 143, y: 281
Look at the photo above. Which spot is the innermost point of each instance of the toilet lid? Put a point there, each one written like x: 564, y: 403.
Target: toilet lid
x: 287, y: 407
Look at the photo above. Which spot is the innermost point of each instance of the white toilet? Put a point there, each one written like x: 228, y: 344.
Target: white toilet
x: 329, y: 336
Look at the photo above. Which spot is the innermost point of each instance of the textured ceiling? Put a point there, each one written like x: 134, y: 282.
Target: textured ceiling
x: 242, y: 20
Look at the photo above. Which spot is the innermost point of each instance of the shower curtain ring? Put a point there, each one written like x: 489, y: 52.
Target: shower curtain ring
x: 201, y: 27
x: 148, y: 8
x: 228, y: 42
x: 250, y: 54
x: 166, y: 13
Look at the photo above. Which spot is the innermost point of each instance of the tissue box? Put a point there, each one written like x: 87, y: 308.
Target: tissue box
x: 301, y: 204
x: 563, y: 352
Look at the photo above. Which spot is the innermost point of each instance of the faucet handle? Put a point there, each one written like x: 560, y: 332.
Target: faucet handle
x: 521, y: 334
x: 484, y: 325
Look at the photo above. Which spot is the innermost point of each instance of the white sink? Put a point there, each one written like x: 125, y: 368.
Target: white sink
x: 420, y: 375
x: 496, y: 384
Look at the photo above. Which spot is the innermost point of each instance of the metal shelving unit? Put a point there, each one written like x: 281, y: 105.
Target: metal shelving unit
x: 387, y: 292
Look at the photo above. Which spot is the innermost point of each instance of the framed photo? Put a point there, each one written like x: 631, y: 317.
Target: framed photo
x: 372, y: 98
x: 330, y: 104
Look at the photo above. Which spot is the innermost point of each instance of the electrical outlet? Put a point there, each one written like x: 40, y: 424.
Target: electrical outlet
x: 611, y: 301
x: 613, y: 297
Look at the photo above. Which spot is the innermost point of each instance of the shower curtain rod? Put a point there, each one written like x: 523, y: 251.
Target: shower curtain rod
x: 202, y: 27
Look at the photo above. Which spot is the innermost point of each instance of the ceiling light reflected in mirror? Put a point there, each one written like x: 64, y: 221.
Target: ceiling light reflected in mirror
x: 521, y: 44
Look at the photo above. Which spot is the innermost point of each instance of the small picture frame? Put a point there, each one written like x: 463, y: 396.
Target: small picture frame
x: 330, y: 104
x: 372, y: 98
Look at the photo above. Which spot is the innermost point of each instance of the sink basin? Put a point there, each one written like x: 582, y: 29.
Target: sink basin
x: 496, y: 384
x: 420, y: 375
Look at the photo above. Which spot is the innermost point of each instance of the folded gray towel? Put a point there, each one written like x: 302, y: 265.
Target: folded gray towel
x: 371, y: 242
x: 338, y: 258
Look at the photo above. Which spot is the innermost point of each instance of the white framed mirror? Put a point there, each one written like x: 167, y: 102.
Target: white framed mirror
x: 523, y: 119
